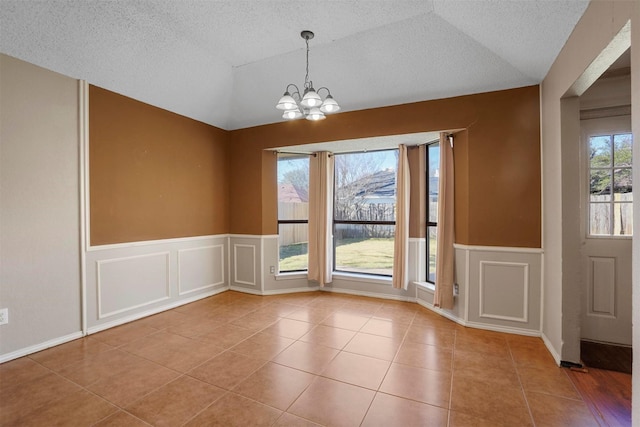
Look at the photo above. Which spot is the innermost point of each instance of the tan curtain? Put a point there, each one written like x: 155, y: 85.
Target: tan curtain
x: 320, y: 215
x: 444, y: 248
x: 401, y: 241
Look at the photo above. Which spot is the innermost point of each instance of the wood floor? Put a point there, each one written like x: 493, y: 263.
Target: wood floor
x: 606, y: 393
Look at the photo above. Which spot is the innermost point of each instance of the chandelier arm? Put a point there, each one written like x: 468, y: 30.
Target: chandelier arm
x: 325, y: 88
x: 296, y: 92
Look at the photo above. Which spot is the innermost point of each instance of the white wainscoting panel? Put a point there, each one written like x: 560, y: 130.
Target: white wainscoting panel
x: 131, y: 282
x: 200, y: 268
x: 501, y: 287
x: 504, y: 291
x: 244, y: 262
x: 602, y: 286
x: 127, y: 281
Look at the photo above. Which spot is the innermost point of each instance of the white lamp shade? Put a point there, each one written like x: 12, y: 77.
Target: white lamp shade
x: 287, y: 102
x: 292, y: 114
x: 311, y: 99
x: 315, y: 114
x: 329, y: 105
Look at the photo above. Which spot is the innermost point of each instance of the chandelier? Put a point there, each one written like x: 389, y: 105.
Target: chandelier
x: 309, y: 104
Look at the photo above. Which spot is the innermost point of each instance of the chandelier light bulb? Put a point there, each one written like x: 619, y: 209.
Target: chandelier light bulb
x: 292, y: 114
x: 315, y: 114
x: 286, y: 102
x: 329, y: 105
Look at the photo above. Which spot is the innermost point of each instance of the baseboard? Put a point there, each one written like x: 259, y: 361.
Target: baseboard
x: 441, y: 312
x: 39, y: 347
x: 551, y: 349
x: 274, y: 291
x: 369, y: 294
x: 137, y: 316
x: 475, y: 325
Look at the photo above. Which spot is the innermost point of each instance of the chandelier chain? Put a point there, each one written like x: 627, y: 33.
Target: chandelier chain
x: 306, y: 77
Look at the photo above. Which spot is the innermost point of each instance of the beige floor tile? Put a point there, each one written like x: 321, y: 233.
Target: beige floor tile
x: 374, y: 346
x: 290, y: 420
x: 173, y: 351
x: 425, y: 356
x: 226, y: 336
x: 333, y: 403
x: 79, y: 408
x: 341, y: 320
x: 121, y: 419
x: 387, y: 410
x: 328, y: 336
x: 497, y: 370
x: 227, y: 369
x: 255, y: 321
x: 307, y: 357
x: 490, y: 401
x: 547, y: 380
x: 423, y: 385
x: 58, y: 357
x: 310, y: 314
x: 385, y: 328
x: 358, y: 370
x: 133, y: 383
x: 443, y: 338
x: 262, y: 346
x: 175, y: 403
x: 194, y: 327
x: 289, y: 328
x: 235, y: 410
x: 275, y: 385
x: 100, y: 366
x: 124, y: 334
x: 164, y: 320
x: 22, y: 399
x: 486, y: 342
x: 531, y: 353
x: 19, y: 371
x: 550, y: 410
x: 460, y: 419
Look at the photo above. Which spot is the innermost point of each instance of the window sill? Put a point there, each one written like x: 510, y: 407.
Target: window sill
x: 368, y: 278
x: 426, y: 285
x: 601, y: 237
x: 291, y: 276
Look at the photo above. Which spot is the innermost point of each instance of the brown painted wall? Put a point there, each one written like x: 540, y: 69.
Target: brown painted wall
x: 499, y: 197
x: 153, y: 174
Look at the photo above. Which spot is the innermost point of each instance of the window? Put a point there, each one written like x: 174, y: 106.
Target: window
x: 293, y: 212
x: 433, y: 181
x: 364, y: 212
x: 610, y: 185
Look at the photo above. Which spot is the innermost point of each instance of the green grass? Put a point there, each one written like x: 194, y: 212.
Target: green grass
x: 361, y: 254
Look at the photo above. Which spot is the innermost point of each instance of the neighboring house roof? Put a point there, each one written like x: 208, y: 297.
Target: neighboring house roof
x: 289, y: 193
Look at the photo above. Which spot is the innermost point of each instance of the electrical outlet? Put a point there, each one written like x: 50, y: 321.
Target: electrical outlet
x: 272, y: 269
x: 456, y: 289
x: 4, y: 316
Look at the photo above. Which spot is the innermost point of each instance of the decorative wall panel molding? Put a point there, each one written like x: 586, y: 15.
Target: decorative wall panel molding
x: 200, y: 268
x: 244, y: 264
x: 132, y: 282
x: 504, y: 291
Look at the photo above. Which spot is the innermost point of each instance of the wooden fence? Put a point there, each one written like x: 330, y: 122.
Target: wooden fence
x: 600, y: 215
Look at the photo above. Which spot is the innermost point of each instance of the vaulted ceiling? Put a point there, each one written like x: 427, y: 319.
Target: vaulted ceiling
x: 227, y: 63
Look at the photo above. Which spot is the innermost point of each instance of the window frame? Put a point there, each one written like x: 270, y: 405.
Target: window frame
x: 428, y: 222
x: 335, y: 222
x: 289, y: 221
x: 611, y: 171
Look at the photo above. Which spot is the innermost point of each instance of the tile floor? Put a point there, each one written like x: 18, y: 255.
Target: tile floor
x: 292, y: 360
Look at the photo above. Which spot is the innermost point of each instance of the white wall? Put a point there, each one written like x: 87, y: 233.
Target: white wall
x: 39, y: 207
x: 581, y: 61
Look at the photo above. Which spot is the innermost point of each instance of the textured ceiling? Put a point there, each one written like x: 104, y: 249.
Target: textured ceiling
x: 226, y: 63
